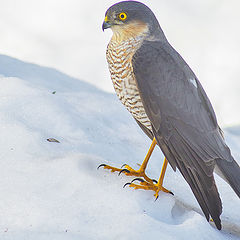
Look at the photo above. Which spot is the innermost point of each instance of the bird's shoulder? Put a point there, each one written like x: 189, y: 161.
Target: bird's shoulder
x: 166, y: 82
x: 156, y: 56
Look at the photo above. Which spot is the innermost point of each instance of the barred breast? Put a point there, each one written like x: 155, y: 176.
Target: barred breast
x: 119, y: 56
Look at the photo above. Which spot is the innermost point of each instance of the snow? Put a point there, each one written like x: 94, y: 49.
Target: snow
x: 54, y: 191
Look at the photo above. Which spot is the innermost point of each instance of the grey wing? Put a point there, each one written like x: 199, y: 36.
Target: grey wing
x: 183, y: 120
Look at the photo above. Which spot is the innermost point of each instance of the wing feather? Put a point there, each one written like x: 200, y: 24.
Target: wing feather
x: 183, y: 120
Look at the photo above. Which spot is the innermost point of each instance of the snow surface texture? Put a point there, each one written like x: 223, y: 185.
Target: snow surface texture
x: 67, y: 35
x: 54, y: 191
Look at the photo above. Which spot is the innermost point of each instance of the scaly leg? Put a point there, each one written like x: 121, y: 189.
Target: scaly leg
x: 130, y: 171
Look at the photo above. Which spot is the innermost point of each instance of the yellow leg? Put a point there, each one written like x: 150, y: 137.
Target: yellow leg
x: 151, y: 186
x: 145, y: 161
x: 130, y: 171
x: 148, y: 184
x: 160, y: 181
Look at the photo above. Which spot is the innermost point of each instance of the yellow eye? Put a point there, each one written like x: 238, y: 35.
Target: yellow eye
x: 122, y: 16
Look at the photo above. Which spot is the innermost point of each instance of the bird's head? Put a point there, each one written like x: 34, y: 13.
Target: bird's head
x: 131, y: 19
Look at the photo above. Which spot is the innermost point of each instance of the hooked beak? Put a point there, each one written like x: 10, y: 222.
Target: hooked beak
x: 106, y: 25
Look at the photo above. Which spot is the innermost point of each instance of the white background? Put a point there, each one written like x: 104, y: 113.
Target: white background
x: 67, y: 35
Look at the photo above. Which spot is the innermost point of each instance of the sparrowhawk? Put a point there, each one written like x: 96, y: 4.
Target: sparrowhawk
x: 168, y: 102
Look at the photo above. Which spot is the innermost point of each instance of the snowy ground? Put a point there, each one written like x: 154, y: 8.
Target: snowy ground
x: 54, y: 191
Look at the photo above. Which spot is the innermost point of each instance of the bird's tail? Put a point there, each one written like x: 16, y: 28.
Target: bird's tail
x: 231, y: 172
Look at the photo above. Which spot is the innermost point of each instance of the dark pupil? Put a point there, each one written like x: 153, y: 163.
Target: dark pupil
x: 122, y: 16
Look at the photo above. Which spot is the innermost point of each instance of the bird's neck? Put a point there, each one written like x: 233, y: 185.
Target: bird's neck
x: 136, y: 30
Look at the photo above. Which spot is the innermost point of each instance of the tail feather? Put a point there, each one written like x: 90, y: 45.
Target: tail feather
x: 231, y: 172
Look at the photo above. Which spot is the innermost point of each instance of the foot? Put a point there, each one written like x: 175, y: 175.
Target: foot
x: 127, y: 170
x: 145, y: 185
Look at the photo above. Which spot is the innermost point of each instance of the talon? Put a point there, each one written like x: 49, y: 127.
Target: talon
x: 101, y: 165
x: 155, y: 181
x: 156, y: 198
x: 137, y: 179
x: 124, y: 170
x: 126, y: 184
x: 171, y: 193
x: 123, y: 165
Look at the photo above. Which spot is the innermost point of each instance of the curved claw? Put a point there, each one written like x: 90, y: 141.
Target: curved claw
x: 155, y: 181
x: 137, y: 179
x: 101, y: 165
x: 124, y: 170
x: 158, y: 195
x: 123, y: 165
x: 126, y: 184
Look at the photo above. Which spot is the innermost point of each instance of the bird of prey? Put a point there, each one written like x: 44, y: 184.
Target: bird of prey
x: 168, y: 102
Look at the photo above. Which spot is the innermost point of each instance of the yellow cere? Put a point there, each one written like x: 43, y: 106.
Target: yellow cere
x: 122, y: 16
x: 106, y: 19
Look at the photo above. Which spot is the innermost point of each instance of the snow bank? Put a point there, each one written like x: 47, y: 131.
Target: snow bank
x: 54, y: 191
